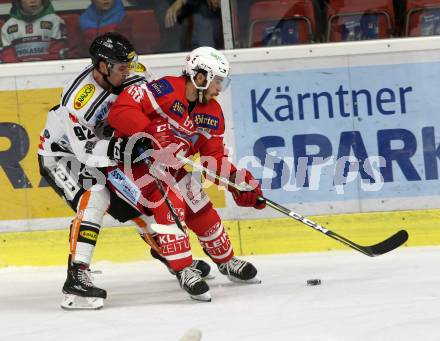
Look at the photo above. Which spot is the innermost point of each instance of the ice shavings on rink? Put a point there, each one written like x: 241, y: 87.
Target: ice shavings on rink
x: 392, y: 297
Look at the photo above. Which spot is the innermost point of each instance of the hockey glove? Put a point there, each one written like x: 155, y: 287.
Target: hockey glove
x: 246, y: 198
x: 133, y: 149
x: 166, y: 145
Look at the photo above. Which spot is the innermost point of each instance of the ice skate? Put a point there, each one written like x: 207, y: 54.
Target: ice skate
x: 191, y: 281
x: 197, y: 264
x: 239, y: 271
x: 79, y: 291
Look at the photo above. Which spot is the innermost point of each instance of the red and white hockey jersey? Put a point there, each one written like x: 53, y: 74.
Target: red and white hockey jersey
x: 78, y: 125
x: 203, y: 127
x: 43, y: 38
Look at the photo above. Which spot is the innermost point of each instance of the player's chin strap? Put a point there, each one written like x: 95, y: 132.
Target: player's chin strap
x: 385, y: 246
x: 200, y: 89
x: 105, y: 76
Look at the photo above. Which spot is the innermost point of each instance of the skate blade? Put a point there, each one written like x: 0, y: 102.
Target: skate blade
x: 206, y: 297
x: 74, y: 302
x: 254, y: 280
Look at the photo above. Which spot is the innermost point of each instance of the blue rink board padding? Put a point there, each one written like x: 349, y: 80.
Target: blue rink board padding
x: 291, y: 120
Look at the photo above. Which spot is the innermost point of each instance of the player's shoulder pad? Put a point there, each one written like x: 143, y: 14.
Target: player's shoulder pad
x: 82, y: 94
x: 163, y: 86
x: 209, y: 116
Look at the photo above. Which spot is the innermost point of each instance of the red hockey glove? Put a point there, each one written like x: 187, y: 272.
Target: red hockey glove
x: 246, y: 198
x: 166, y: 145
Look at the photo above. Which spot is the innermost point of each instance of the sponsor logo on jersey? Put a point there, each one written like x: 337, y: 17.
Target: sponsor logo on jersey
x: 188, y: 123
x: 102, y: 112
x: 124, y: 185
x: 12, y: 29
x: 46, y: 25
x: 160, y: 87
x: 91, y: 235
x: 178, y: 108
x: 29, y: 28
x: 206, y: 121
x: 180, y: 213
x: 83, y: 96
x: 31, y: 49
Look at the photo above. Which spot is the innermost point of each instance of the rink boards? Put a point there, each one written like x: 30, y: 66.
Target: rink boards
x: 292, y: 113
x: 249, y: 237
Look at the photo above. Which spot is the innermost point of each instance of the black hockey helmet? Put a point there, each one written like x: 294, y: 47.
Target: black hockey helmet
x: 112, y: 48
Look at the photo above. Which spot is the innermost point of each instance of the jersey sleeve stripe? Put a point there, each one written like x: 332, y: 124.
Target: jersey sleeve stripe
x: 75, y: 84
x: 96, y: 103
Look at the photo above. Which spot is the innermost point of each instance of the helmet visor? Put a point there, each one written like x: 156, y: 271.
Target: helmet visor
x: 134, y: 62
x: 222, y: 83
x: 131, y: 61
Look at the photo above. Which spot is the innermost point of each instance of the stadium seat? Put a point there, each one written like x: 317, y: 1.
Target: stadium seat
x: 359, y: 20
x: 141, y: 27
x: 422, y: 18
x: 74, y: 36
x: 281, y: 22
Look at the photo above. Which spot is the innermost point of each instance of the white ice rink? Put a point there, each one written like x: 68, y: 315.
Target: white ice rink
x: 391, y: 297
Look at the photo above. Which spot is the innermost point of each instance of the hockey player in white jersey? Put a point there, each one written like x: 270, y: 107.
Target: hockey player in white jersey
x: 75, y: 144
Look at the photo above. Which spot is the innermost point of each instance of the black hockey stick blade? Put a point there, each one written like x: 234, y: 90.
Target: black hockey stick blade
x: 378, y: 249
x: 393, y: 242
x: 387, y: 245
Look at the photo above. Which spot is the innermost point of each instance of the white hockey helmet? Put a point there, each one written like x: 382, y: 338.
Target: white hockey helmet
x: 210, y: 60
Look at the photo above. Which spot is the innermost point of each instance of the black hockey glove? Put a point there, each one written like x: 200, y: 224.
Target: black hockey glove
x: 129, y: 148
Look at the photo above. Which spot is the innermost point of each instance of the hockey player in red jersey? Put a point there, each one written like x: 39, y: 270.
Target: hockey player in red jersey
x: 182, y: 117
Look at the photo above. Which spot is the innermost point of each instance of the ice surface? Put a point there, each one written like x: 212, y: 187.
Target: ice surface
x: 391, y: 297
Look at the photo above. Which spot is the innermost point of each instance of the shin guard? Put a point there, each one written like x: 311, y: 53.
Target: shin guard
x: 211, y: 234
x: 85, y: 227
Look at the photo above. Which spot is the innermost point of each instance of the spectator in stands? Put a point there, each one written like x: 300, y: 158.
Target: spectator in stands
x: 33, y: 32
x: 100, y: 17
x: 173, y: 17
x: 207, y: 24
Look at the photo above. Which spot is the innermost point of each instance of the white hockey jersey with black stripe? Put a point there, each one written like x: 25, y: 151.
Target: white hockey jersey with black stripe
x: 78, y: 125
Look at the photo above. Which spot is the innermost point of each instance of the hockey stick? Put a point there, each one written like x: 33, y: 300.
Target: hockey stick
x: 164, y: 195
x: 378, y: 249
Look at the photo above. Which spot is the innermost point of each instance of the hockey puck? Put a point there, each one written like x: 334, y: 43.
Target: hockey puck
x: 315, y: 281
